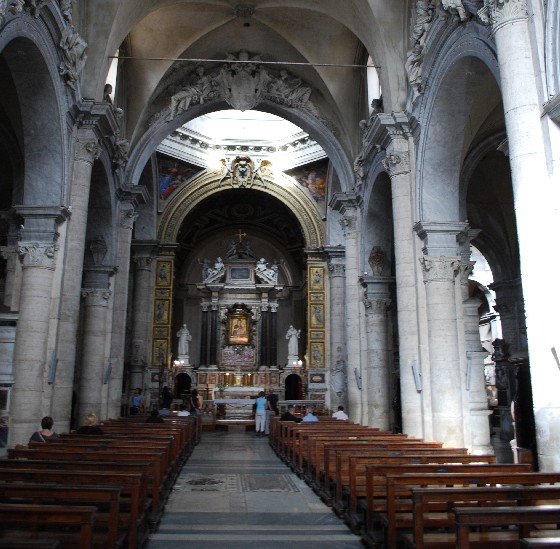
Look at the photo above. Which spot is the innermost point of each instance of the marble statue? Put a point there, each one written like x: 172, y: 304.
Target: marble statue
x: 292, y: 335
x: 194, y: 93
x: 73, y: 56
x: 266, y: 274
x: 216, y: 272
x: 184, y: 337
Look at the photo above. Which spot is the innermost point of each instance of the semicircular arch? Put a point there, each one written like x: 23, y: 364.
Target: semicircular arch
x: 186, y: 199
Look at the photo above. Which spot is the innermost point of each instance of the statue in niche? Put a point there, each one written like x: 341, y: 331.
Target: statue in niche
x: 265, y: 274
x: 193, y: 93
x: 215, y: 273
x: 292, y: 335
x: 377, y: 260
x: 184, y: 337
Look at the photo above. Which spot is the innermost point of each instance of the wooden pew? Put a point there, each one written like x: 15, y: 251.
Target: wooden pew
x: 79, y: 517
x: 382, y: 479
x: 432, y: 506
x: 132, y: 486
x: 467, y: 518
x: 351, y: 486
x: 344, y: 464
x: 394, y: 494
x: 86, y: 453
x: 539, y: 543
x: 105, y: 498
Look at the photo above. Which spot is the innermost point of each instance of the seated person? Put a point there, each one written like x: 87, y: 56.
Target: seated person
x: 310, y: 416
x: 46, y: 431
x: 290, y: 415
x: 90, y: 426
x: 340, y: 413
x: 155, y: 417
x: 183, y: 411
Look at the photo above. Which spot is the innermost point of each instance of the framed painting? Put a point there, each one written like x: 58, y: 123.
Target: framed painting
x: 159, y: 354
x: 161, y: 311
x: 238, y: 330
x: 317, y: 316
x: 163, y: 273
x: 316, y: 278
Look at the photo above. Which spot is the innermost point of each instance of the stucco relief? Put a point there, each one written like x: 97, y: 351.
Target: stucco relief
x: 243, y: 82
x: 10, y: 6
x: 73, y: 56
x: 36, y: 254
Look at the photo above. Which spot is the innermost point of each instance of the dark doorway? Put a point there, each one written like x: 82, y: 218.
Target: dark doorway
x: 293, y: 387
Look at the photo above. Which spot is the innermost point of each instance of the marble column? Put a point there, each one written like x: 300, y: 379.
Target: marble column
x: 94, y: 360
x: 86, y: 152
x: 337, y: 394
x: 127, y: 217
x: 445, y: 374
x: 203, y: 359
x: 475, y: 405
x: 38, y: 250
x: 536, y: 199
x: 273, y: 335
x: 143, y: 258
x: 416, y: 419
x: 379, y: 361
x: 351, y: 223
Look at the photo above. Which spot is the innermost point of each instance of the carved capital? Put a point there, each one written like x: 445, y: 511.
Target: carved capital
x: 143, y: 262
x: 397, y: 164
x: 465, y: 270
x: 128, y: 218
x: 500, y: 12
x: 38, y: 254
x: 336, y: 270
x: 96, y: 296
x: 87, y: 151
x: 439, y: 269
x: 348, y: 223
x: 377, y: 306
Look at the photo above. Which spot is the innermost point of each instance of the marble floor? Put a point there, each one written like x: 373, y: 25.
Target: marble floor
x: 235, y: 492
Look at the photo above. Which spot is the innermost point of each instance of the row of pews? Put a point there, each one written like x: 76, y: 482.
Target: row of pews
x: 88, y: 492
x: 398, y: 491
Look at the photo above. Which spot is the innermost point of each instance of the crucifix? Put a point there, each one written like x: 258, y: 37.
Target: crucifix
x: 240, y: 234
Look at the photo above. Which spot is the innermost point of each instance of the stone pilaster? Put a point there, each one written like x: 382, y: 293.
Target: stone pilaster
x: 337, y: 393
x: 86, y: 152
x: 379, y: 361
x: 127, y: 217
x: 37, y: 250
x: 94, y: 357
x: 446, y: 382
x: 351, y: 224
x: 143, y: 259
x: 522, y: 99
x: 393, y: 133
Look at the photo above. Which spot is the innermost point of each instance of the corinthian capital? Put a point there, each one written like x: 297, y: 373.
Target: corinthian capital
x: 348, y: 223
x: 397, y: 164
x: 500, y: 12
x: 96, y: 296
x: 35, y: 254
x: 439, y: 269
x: 87, y: 151
x: 377, y: 306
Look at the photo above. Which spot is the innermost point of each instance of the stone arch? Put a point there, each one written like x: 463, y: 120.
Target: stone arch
x: 452, y: 118
x: 294, y: 198
x: 155, y: 133
x: 39, y: 103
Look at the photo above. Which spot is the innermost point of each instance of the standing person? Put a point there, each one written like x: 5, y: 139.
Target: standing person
x: 196, y: 403
x: 166, y: 398
x: 136, y: 402
x: 90, y: 426
x: 340, y: 413
x: 272, y: 400
x: 261, y: 405
x: 310, y: 416
x: 46, y: 431
x: 290, y: 415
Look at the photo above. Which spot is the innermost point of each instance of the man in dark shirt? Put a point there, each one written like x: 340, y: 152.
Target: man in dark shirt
x: 289, y: 415
x: 272, y: 400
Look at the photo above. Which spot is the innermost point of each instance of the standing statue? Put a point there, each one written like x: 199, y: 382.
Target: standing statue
x: 184, y: 337
x: 292, y: 335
